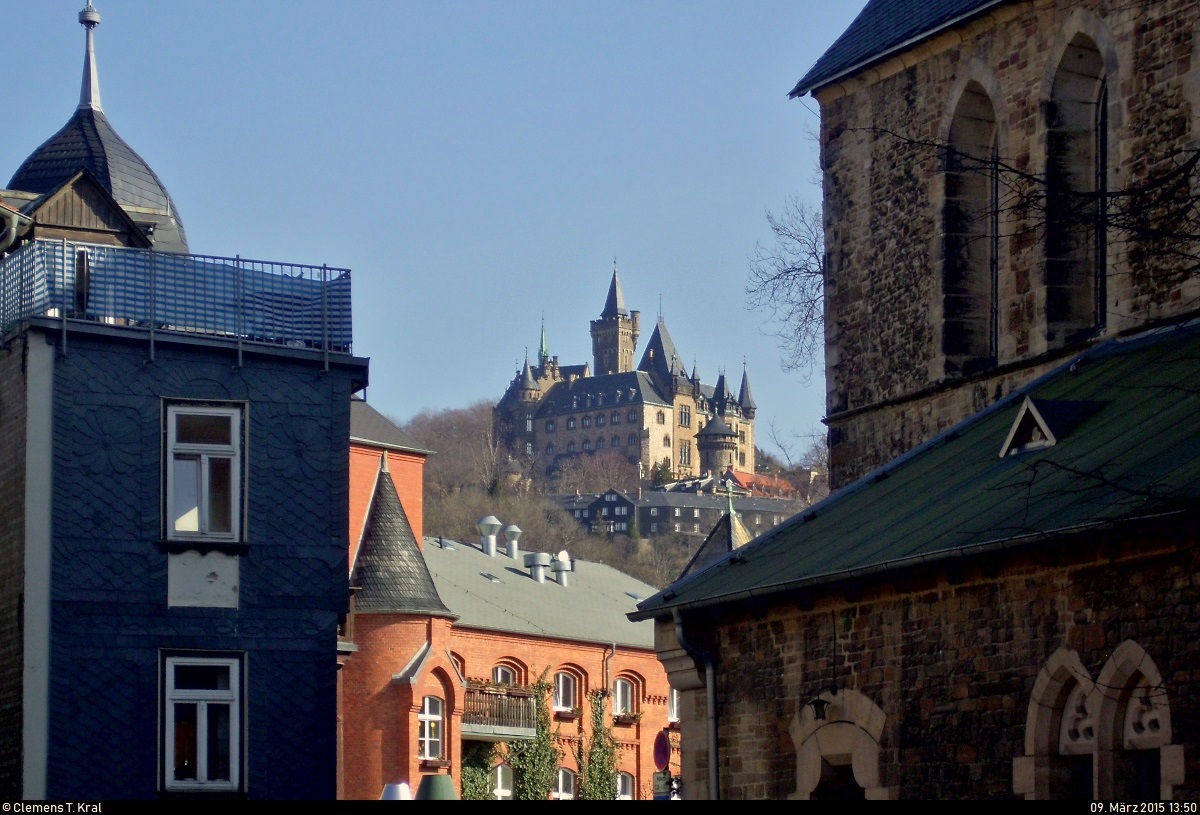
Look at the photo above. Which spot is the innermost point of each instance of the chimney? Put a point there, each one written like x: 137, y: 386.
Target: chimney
x: 562, y: 565
x: 488, y: 527
x: 537, y: 562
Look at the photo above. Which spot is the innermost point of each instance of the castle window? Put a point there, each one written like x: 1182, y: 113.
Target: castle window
x: 549, y: 425
x: 661, y: 417
x: 528, y: 422
x: 616, y: 441
x: 587, y: 421
x: 666, y: 441
x: 633, y: 439
x: 616, y: 417
x: 570, y: 447
x: 600, y: 420
x: 571, y: 423
x: 685, y: 454
x: 742, y: 436
x: 742, y: 459
x: 632, y: 415
x: 1076, y: 181
x: 685, y: 416
x: 550, y: 448
x: 587, y: 444
x: 970, y: 240
x: 529, y: 448
x: 600, y: 444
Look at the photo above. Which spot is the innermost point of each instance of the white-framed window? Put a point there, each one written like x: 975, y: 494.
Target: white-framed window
x: 673, y: 706
x: 529, y: 448
x: 504, y: 675
x: 202, y: 723
x: 204, y: 472
x: 430, y: 736
x: 564, y: 691
x: 676, y: 527
x: 625, y: 787
x: 653, y: 512
x: 695, y: 527
x: 564, y: 785
x: 622, y: 697
x: 528, y: 422
x: 500, y: 782
x: 676, y: 512
x: 696, y: 512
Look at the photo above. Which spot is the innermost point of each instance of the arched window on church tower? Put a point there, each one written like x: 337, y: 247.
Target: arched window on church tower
x: 970, y: 247
x: 1076, y: 184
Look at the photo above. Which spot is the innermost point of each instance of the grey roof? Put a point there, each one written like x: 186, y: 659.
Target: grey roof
x: 614, y: 304
x: 369, y: 426
x: 882, y: 28
x: 88, y: 141
x: 389, y: 568
x: 634, y: 387
x: 590, y: 608
x: 661, y: 358
x: 716, y: 426
x: 1126, y: 453
x: 745, y: 398
x: 728, y: 534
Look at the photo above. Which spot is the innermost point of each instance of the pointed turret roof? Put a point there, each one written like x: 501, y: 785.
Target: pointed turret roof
x: 390, y: 569
x: 527, y: 381
x: 745, y: 398
x: 661, y: 359
x: 729, y: 534
x: 614, y: 305
x: 543, y: 347
x: 720, y: 395
x: 88, y: 141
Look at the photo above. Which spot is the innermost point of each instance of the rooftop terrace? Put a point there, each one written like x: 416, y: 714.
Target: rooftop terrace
x: 282, y: 304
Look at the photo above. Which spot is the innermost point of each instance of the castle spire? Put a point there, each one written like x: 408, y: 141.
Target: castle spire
x: 544, y: 348
x: 614, y: 304
x: 745, y: 399
x: 89, y: 90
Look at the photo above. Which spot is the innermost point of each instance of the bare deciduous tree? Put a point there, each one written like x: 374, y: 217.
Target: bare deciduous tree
x: 787, y: 281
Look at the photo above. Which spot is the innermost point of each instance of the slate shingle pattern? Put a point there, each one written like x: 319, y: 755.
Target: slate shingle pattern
x: 389, y: 569
x: 370, y: 426
x: 881, y: 27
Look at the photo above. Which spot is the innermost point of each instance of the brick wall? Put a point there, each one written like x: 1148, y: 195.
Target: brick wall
x: 950, y: 658
x: 884, y: 192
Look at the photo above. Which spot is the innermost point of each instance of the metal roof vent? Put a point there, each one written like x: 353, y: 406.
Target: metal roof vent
x: 537, y: 562
x: 488, y: 527
x: 562, y: 567
x: 512, y: 533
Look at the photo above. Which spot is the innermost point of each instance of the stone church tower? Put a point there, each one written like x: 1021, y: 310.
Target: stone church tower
x: 615, y: 334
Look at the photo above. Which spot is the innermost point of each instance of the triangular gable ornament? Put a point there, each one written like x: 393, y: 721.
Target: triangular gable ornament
x: 1029, y: 431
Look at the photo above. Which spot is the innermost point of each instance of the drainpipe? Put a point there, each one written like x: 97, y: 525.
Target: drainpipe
x: 15, y: 225
x: 710, y: 688
x: 607, y: 658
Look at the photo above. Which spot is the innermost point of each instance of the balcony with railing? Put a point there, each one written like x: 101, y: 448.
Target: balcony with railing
x: 499, y: 713
x: 250, y: 301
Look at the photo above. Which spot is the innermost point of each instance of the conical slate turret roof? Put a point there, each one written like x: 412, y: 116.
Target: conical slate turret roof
x: 390, y: 569
x: 745, y: 398
x: 614, y: 305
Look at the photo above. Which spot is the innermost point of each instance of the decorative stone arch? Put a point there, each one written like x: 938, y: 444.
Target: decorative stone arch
x: 965, y: 194
x: 519, y: 668
x: 1082, y: 116
x: 1060, y: 712
x: 848, y: 735
x: 1134, y: 716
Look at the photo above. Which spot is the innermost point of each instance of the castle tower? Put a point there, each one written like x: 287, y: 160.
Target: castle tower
x: 717, y: 443
x: 615, y: 334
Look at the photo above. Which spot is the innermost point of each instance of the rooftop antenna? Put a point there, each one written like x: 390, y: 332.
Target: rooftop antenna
x: 89, y: 89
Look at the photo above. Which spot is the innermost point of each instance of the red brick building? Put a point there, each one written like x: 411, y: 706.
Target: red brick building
x: 446, y: 638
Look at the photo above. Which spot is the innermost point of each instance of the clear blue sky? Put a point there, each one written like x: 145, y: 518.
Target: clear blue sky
x: 474, y: 163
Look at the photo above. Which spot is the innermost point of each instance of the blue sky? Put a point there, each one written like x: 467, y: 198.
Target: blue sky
x: 474, y: 163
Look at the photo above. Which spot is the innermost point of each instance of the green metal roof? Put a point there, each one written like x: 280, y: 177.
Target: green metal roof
x: 1126, y: 417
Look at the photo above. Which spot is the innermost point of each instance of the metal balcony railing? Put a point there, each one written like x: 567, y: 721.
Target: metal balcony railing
x: 249, y: 300
x: 496, y: 713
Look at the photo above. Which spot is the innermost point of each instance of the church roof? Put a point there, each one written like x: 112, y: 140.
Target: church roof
x: 1128, y: 458
x: 88, y: 141
x: 883, y: 28
x: 389, y: 568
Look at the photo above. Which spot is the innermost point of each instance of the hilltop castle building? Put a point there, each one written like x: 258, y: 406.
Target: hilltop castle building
x: 655, y: 414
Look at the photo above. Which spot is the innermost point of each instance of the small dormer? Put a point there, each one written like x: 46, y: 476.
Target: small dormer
x: 1030, y: 431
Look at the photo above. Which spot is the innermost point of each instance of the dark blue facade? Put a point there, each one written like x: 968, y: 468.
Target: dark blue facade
x: 110, y: 622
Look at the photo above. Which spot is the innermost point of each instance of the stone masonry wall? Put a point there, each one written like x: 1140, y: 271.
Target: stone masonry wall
x: 951, y: 659
x: 884, y: 192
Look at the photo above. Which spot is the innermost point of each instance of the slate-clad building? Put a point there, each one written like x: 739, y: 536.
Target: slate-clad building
x: 173, y: 492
